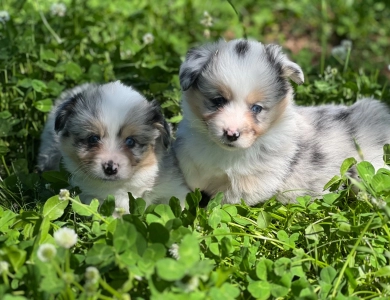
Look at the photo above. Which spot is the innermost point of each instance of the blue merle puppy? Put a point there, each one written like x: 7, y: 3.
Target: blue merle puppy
x: 112, y: 141
x: 243, y: 135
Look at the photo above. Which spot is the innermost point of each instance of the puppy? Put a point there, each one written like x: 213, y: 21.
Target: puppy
x: 112, y: 141
x: 241, y: 133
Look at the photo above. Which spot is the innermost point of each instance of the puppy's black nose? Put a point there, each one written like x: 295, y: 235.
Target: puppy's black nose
x: 110, y: 168
x: 232, y: 135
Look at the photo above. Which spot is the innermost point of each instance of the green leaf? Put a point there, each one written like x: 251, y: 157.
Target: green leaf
x: 158, y: 233
x: 330, y: 198
x: 54, y: 208
x: 108, y: 206
x: 100, y: 254
x: 165, y: 212
x: 47, y: 54
x: 365, y: 170
x: 43, y: 105
x: 328, y: 274
x: 333, y: 183
x: 38, y: 85
x: 381, y: 183
x: 125, y: 236
x: 215, y: 201
x: 383, y: 272
x: 263, y: 268
x: 73, y: 70
x: 281, y: 287
x: 313, y: 231
x: 137, y: 206
x: 56, y: 177
x: 189, y: 251
x: 16, y: 257
x: 170, y: 270
x: 260, y: 289
x: 84, y: 209
x: 215, y: 218
x: 226, y: 292
x: 347, y: 164
x: 263, y: 219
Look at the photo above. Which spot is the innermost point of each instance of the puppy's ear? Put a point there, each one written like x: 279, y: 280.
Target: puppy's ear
x: 287, y: 68
x: 64, y: 111
x: 195, y: 62
x: 158, y: 121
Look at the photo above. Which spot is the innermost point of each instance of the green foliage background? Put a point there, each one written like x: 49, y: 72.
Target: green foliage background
x: 336, y: 247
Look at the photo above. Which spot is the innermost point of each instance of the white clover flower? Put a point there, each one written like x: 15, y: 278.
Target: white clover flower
x: 347, y: 44
x: 48, y: 186
x: 58, y: 9
x: 339, y: 52
x: 119, y: 212
x: 64, y: 194
x: 174, y: 251
x: 4, y: 267
x: 378, y: 203
x: 148, y: 38
x: 207, y: 20
x: 68, y: 277
x: 65, y: 237
x: 46, y: 252
x: 92, y: 274
x: 4, y: 16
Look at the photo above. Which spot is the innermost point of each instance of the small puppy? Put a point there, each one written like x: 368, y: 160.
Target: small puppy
x: 242, y: 134
x: 113, y: 141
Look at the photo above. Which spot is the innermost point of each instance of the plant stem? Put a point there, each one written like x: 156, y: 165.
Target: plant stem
x: 338, y: 282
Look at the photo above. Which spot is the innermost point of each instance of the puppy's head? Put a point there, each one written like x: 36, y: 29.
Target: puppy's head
x: 110, y: 132
x: 238, y: 89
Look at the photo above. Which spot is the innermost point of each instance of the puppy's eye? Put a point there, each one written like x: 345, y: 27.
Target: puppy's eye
x: 130, y: 142
x: 93, y: 139
x: 256, y: 109
x: 218, y: 101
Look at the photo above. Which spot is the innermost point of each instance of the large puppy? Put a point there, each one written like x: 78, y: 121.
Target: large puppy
x: 112, y: 141
x: 242, y: 134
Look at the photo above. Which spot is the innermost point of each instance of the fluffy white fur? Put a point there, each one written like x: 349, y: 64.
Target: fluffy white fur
x: 112, y: 113
x: 224, y: 142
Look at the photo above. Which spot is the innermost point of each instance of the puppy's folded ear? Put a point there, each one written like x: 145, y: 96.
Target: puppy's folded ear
x: 195, y: 62
x: 64, y: 111
x: 286, y: 67
x: 158, y: 121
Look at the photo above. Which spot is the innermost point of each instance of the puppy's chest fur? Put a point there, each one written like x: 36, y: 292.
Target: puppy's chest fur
x: 295, y: 157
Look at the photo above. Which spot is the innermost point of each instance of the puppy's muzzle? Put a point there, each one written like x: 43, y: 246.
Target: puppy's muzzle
x: 110, y: 168
x: 231, y: 135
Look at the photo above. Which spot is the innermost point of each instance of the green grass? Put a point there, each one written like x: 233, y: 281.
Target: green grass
x: 331, y: 248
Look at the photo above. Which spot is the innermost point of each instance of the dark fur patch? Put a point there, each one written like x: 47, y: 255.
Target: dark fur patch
x: 64, y: 111
x: 156, y: 118
x: 193, y: 53
x: 296, y: 158
x: 317, y: 156
x: 242, y: 47
x: 342, y: 115
x: 190, y: 77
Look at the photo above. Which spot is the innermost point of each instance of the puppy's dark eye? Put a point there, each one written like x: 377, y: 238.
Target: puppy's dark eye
x: 218, y: 101
x: 93, y: 139
x: 256, y: 109
x: 130, y: 142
